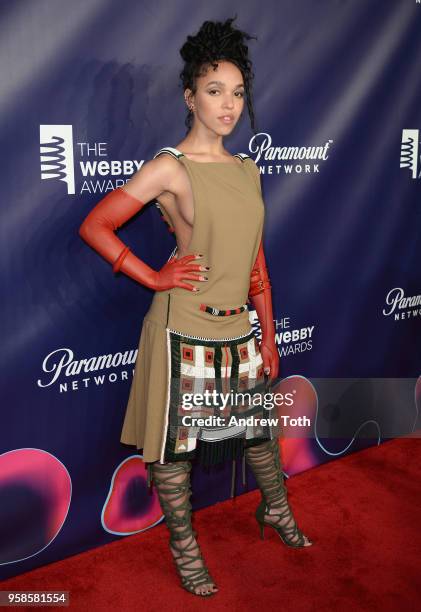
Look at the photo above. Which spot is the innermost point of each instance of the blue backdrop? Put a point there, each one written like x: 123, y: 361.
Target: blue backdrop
x: 90, y: 91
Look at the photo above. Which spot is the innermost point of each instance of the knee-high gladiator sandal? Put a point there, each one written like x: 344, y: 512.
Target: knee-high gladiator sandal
x: 172, y: 482
x: 265, y: 463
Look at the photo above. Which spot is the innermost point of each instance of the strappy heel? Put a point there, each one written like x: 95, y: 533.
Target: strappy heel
x: 265, y: 463
x: 288, y: 534
x: 172, y: 482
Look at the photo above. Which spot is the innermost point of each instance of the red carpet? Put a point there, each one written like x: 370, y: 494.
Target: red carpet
x: 362, y: 513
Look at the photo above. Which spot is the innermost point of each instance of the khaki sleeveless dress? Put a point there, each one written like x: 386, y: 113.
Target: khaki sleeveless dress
x: 202, y: 336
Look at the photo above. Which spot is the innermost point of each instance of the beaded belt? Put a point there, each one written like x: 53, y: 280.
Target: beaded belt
x: 222, y: 313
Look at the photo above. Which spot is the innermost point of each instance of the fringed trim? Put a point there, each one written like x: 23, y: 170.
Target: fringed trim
x: 173, y: 331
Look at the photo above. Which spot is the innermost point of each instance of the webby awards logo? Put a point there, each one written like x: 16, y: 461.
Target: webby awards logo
x: 96, y: 172
x: 410, y: 156
x: 289, y: 340
x: 56, y: 149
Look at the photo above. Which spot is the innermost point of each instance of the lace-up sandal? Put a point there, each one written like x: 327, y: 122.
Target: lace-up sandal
x: 265, y: 463
x: 172, y: 482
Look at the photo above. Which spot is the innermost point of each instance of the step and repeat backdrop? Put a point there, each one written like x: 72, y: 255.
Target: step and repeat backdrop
x: 90, y: 92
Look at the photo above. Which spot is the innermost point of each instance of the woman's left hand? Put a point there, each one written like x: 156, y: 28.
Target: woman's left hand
x: 270, y: 356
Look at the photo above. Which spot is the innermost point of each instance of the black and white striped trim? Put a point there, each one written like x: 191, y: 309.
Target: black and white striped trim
x: 173, y: 331
x: 174, y: 152
x: 178, y: 154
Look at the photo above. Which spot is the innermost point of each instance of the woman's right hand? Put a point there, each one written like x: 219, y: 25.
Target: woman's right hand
x: 116, y: 208
x: 174, y: 271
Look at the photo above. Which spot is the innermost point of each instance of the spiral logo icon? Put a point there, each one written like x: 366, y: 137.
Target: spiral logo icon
x: 56, y: 154
x: 409, y: 151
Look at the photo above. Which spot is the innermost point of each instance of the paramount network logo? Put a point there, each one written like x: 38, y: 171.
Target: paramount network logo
x: 99, y: 173
x: 288, y: 159
x: 400, y: 306
x: 409, y: 152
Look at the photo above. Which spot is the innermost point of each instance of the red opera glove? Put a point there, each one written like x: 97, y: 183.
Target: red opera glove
x: 260, y: 294
x: 98, y: 230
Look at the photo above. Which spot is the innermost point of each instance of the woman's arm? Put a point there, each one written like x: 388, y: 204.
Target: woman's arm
x: 260, y: 294
x: 116, y: 208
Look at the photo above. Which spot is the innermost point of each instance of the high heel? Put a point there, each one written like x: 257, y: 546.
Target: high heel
x: 173, y: 484
x: 264, y: 461
x: 286, y: 533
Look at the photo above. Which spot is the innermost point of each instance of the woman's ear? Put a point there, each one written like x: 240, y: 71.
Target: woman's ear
x: 187, y: 97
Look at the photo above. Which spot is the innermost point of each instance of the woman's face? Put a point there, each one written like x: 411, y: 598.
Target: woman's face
x: 220, y: 94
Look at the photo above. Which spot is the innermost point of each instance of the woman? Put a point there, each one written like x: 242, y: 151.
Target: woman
x: 197, y: 328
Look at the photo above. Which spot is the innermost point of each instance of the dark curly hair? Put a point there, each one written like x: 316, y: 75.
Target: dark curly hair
x: 214, y: 41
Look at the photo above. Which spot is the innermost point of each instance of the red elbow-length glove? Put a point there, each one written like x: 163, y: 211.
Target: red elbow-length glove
x: 98, y: 230
x: 260, y: 294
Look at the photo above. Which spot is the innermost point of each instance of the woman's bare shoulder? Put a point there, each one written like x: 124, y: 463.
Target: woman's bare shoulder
x: 154, y: 177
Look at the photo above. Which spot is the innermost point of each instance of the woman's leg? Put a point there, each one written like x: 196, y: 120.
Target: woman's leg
x: 172, y: 481
x: 263, y: 458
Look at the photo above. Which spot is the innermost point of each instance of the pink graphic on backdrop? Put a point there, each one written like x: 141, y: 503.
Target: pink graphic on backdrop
x: 297, y: 452
x: 35, y: 489
x: 129, y: 507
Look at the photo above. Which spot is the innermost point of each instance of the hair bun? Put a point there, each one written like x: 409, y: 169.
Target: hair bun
x: 217, y: 40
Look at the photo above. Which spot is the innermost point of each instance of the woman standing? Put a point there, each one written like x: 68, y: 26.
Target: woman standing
x: 197, y: 332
